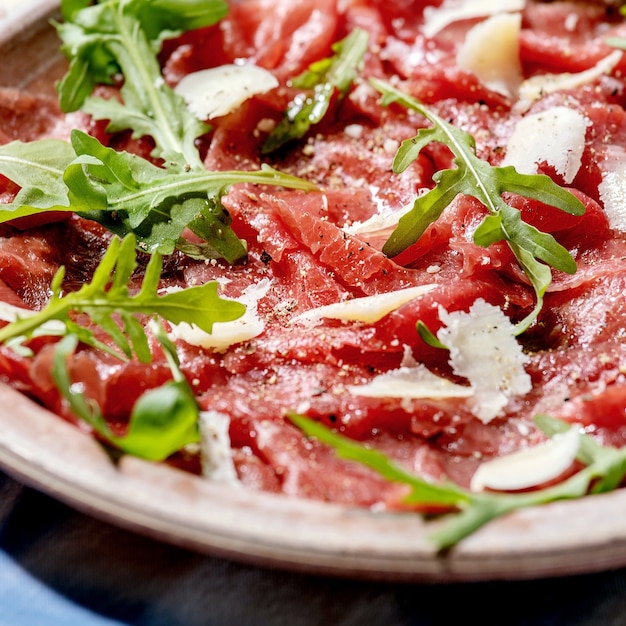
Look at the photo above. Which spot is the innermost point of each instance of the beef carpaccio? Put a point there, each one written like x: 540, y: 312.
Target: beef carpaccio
x: 311, y: 249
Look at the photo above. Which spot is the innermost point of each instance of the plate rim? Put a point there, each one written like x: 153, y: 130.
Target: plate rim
x: 54, y: 456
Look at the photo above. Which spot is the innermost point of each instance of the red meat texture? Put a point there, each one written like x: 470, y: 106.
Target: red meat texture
x: 308, y: 246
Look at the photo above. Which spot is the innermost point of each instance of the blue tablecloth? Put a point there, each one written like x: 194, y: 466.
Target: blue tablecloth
x: 61, y: 567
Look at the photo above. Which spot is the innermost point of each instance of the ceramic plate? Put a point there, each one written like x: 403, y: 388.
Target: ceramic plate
x: 45, y: 452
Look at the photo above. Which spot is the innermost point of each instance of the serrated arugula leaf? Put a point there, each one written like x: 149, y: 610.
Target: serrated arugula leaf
x: 479, y: 179
x: 162, y: 421
x: 605, y: 470
x: 110, y: 306
x: 324, y: 78
x: 128, y: 194
x: 124, y: 37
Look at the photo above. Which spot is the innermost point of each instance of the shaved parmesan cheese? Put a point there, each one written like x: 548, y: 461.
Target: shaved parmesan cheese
x: 10, y: 313
x: 436, y: 19
x: 613, y: 187
x: 368, y: 309
x: 555, y: 136
x: 538, y: 86
x: 380, y: 223
x: 226, y: 334
x: 221, y: 90
x: 216, y: 451
x: 501, y: 72
x: 530, y: 467
x: 483, y: 349
x: 411, y: 383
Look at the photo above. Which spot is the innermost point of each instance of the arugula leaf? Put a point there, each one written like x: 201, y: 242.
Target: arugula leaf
x: 128, y: 194
x: 324, y: 78
x: 163, y: 420
x: 605, y: 470
x: 475, y: 177
x: 37, y: 168
x: 116, y: 37
x: 106, y: 300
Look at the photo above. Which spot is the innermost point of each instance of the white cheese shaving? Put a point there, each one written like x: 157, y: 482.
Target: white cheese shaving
x: 11, y: 313
x: 382, y: 222
x: 438, y: 18
x: 501, y: 72
x: 555, y: 136
x: 539, y: 86
x: 612, y: 188
x: 226, y: 334
x: 221, y: 90
x: 483, y: 349
x: 411, y: 383
x: 529, y: 467
x: 368, y: 309
x: 216, y: 451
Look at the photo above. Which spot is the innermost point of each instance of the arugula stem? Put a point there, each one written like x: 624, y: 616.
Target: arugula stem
x: 461, y: 151
x: 147, y: 67
x: 199, y: 181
